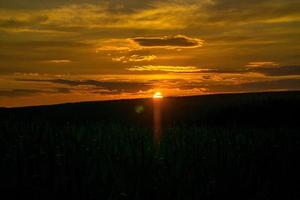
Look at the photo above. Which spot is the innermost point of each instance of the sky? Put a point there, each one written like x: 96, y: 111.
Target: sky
x: 86, y: 50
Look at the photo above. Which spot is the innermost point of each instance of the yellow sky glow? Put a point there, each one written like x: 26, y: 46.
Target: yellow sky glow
x: 69, y: 51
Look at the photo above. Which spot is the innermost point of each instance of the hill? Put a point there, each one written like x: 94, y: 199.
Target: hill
x: 235, y: 146
x: 250, y: 109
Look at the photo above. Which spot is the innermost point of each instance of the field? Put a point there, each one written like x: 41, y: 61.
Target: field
x: 237, y: 146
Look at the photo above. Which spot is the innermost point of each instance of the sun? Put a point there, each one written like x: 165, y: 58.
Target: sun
x: 157, y: 95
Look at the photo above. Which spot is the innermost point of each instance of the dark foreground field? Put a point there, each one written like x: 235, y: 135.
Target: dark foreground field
x: 242, y: 146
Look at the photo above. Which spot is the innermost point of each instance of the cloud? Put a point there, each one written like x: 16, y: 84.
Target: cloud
x: 178, y: 41
x: 262, y: 64
x: 18, y: 92
x: 261, y: 68
x: 279, y: 71
x: 222, y: 86
x: 257, y: 86
x: 242, y: 12
x: 117, y: 45
x: 32, y: 92
x: 230, y: 27
x: 265, y: 68
x: 154, y: 14
x: 21, y: 22
x: 139, y: 43
x: 139, y: 58
x: 134, y: 58
x: 164, y: 68
x: 62, y: 90
x: 59, y: 61
x: 43, y: 44
x: 122, y: 59
x: 100, y: 86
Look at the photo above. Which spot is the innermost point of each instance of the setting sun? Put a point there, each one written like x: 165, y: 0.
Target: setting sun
x: 157, y: 95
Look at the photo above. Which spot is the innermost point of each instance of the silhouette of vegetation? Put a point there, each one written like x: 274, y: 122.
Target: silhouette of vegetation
x: 242, y: 146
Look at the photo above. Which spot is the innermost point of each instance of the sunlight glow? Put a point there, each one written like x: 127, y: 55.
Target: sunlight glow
x: 157, y: 95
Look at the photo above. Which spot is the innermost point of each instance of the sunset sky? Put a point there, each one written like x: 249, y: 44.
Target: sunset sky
x: 84, y: 50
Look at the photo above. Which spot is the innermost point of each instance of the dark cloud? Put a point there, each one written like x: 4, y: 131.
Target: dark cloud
x: 38, y: 4
x: 18, y: 92
x: 107, y: 92
x: 30, y: 4
x: 226, y: 71
x: 172, y: 41
x: 104, y: 86
x: 255, y: 86
x: 63, y: 90
x: 279, y: 71
x: 268, y: 71
x: 250, y: 11
x: 118, y: 5
x: 284, y: 84
x: 31, y: 92
x: 42, y: 44
x: 12, y: 23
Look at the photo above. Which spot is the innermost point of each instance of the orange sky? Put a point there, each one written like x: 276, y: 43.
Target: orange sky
x: 80, y: 50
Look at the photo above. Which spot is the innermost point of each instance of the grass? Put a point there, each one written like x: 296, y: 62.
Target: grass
x: 110, y: 161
